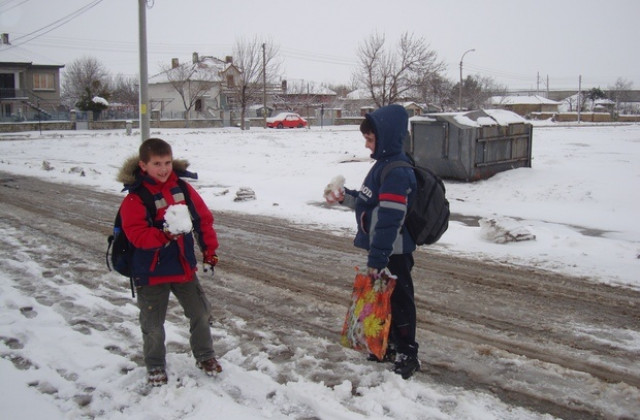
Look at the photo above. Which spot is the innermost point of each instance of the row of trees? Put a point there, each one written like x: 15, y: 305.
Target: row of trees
x: 412, y: 71
x: 409, y: 70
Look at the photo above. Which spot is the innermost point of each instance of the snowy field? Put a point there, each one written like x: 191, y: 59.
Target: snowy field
x: 580, y: 200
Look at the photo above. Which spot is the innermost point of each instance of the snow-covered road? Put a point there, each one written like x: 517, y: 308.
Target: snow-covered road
x: 496, y: 341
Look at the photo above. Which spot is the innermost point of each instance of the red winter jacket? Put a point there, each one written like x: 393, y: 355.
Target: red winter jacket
x: 157, y: 259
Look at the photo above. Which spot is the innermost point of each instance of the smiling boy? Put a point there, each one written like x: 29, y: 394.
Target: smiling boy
x: 164, y: 262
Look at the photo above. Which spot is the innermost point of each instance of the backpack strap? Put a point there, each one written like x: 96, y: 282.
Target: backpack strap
x: 148, y: 201
x: 391, y: 166
x: 150, y: 204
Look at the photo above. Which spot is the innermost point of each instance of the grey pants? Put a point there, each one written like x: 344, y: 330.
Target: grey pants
x: 153, y: 302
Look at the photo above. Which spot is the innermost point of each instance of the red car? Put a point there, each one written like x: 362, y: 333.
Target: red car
x: 286, y: 119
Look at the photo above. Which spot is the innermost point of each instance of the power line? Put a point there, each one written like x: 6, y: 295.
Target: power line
x: 56, y: 24
x: 13, y: 7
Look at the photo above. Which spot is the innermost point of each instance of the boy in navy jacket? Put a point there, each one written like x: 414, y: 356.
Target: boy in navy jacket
x: 381, y: 207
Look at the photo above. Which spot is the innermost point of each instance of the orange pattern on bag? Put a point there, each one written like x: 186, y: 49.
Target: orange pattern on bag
x: 366, y: 325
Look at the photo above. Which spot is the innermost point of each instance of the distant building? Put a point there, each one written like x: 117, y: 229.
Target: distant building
x: 208, y: 81
x: 29, y: 88
x: 524, y: 105
x: 413, y: 109
x: 303, y: 97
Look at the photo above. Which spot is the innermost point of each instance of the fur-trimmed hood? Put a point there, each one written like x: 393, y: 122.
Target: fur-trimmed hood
x: 129, y: 173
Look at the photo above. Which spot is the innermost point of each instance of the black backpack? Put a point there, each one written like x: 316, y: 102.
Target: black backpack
x: 119, y: 249
x: 428, y: 217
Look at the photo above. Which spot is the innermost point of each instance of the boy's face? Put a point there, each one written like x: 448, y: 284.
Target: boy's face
x: 370, y: 141
x: 158, y: 167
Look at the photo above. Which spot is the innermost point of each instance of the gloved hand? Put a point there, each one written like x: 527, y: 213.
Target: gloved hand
x: 374, y: 273
x: 333, y: 196
x: 171, y: 236
x: 334, y: 191
x: 209, y: 262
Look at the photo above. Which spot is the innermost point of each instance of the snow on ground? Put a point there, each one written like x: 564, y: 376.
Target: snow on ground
x: 580, y: 200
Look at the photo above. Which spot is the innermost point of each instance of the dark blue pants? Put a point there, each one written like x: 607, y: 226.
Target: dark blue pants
x: 403, y: 306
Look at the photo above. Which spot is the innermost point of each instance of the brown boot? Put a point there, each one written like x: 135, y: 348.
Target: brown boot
x: 210, y: 366
x: 157, y: 377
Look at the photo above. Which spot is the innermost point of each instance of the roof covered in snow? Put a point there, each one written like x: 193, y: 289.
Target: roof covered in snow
x: 476, y: 118
x: 206, y: 69
x: 20, y: 55
x: 302, y: 87
x: 521, y: 100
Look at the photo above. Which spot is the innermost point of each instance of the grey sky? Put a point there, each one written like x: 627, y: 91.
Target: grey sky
x: 514, y: 40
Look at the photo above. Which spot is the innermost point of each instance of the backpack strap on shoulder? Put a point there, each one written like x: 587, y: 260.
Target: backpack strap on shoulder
x: 148, y: 201
x: 391, y: 166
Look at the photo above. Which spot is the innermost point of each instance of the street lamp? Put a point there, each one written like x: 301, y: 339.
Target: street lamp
x: 460, y: 90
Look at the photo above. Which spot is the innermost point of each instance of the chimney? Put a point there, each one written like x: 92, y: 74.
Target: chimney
x: 5, y: 39
x: 174, y: 63
x: 228, y: 59
x: 195, y: 58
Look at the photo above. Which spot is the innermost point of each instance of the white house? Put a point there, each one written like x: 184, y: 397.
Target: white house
x: 523, y: 105
x: 206, y: 83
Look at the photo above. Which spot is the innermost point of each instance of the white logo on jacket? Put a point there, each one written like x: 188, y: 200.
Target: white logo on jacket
x: 366, y: 191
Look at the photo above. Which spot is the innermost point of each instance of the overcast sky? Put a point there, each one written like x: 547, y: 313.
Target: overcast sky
x: 514, y: 40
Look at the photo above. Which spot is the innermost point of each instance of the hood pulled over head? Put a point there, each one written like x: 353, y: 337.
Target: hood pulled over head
x: 390, y: 127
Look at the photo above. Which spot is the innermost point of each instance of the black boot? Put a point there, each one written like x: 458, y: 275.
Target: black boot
x: 389, y: 356
x: 406, y: 366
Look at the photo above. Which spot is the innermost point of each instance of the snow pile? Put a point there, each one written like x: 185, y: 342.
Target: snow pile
x: 505, y: 230
x: 245, y: 194
x: 100, y: 100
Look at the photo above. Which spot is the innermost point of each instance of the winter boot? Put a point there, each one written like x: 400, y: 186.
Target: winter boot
x: 406, y: 366
x: 210, y: 366
x: 389, y: 356
x: 157, y: 377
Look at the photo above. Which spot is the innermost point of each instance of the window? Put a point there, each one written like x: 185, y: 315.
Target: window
x: 230, y: 81
x: 43, y: 81
x: 198, y: 105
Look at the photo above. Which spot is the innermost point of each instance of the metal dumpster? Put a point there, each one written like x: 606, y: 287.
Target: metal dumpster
x: 470, y: 146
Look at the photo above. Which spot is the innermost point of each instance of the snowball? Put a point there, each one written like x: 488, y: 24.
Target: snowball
x: 335, y: 186
x: 177, y: 219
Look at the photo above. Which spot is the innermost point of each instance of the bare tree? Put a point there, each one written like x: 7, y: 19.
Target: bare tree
x: 84, y: 79
x: 619, y: 92
x: 125, y: 90
x: 390, y: 75
x: 436, y: 90
x: 476, y: 91
x: 257, y: 61
x: 192, y: 81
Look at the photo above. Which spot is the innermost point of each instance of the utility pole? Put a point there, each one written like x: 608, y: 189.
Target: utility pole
x: 547, y: 86
x: 264, y: 85
x: 144, y: 81
x: 579, y: 95
x: 460, y: 90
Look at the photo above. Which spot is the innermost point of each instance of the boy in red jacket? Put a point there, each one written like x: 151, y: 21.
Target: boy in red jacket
x: 164, y: 260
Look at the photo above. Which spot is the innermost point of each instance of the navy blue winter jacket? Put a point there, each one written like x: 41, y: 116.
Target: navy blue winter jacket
x: 381, y: 207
